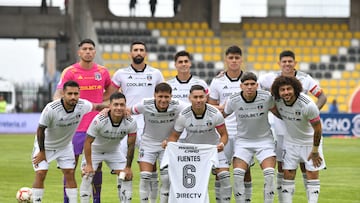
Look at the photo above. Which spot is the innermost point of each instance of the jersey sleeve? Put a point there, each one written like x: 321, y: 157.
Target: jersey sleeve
x: 88, y: 106
x: 46, y: 117
x: 314, y: 87
x: 138, y: 108
x: 93, y: 127
x: 65, y: 76
x: 312, y: 112
x: 228, y: 106
x: 133, y: 127
x: 219, y: 120
x: 214, y: 94
x: 180, y: 123
x: 115, y: 80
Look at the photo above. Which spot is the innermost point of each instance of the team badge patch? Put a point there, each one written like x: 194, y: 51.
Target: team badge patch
x: 149, y: 77
x: 97, y: 76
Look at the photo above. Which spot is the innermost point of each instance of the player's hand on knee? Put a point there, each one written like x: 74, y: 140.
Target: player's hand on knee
x: 39, y: 157
x: 164, y: 144
x: 316, y: 159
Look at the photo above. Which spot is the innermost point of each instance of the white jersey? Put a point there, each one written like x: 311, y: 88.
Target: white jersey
x: 136, y: 85
x: 220, y: 89
x: 200, y: 130
x: 308, y: 83
x: 189, y: 169
x: 107, y: 134
x: 298, y: 118
x: 252, y: 117
x: 158, y: 125
x: 61, y: 124
x: 181, y: 89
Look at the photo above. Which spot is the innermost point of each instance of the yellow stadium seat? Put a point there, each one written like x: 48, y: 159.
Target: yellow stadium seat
x: 150, y: 25
x: 251, y: 50
x: 293, y: 42
x: 337, y: 42
x: 333, y: 83
x: 171, y: 41
x: 304, y: 34
x: 291, y: 26
x: 208, y: 57
x: 260, y: 50
x: 168, y: 25
x: 294, y: 34
x: 330, y: 35
x: 198, y: 41
x: 346, y: 43
x: 207, y: 41
x: 159, y: 25
x: 250, y: 34
x: 282, y: 26
x: 348, y: 35
x: 192, y: 33
x: 216, y: 41
x: 328, y: 42
x: 164, y: 65
x: 343, y: 108
x: 180, y: 40
x: 166, y: 73
x: 259, y: 34
x: 255, y: 26
x: 209, y: 33
x: 106, y: 56
x: 154, y: 64
x: 199, y: 49
x: 269, y: 58
x: 269, y: 50
x: 265, y: 42
x: 344, y: 27
x: 326, y: 27
x: 267, y: 34
x: 189, y: 41
x: 321, y: 35
x: 301, y: 42
x: 307, y: 50
x: 274, y: 42
x: 356, y: 35
x: 353, y: 83
x: 217, y: 49
x: 200, y: 33
x: 246, y: 26
x: 334, y: 91
x: 186, y: 25
x: 250, y: 58
x: 355, y: 75
x: 283, y: 42
x: 204, y: 26
x: 277, y: 34
x: 177, y: 25
x: 342, y: 83
x: 260, y: 58
x: 173, y: 33
x: 190, y: 48
x: 309, y: 42
x: 357, y: 66
x: 208, y: 49
x: 124, y: 56
x: 340, y: 99
x: 217, y: 57
x: 312, y: 34
x: 195, y: 25
x: 299, y: 26
x: 272, y: 26
x: 182, y: 33
x: 173, y: 73
x: 115, y: 56
x: 317, y: 26
x: 308, y: 27
x: 315, y: 58
x: 264, y: 26
x: 258, y: 66
x: 335, y: 26
x: 164, y: 33
x: 319, y: 42
x: 333, y: 50
x: 324, y: 83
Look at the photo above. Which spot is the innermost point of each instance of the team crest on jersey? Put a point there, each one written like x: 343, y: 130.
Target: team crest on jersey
x: 97, y: 76
x: 141, y: 153
x: 149, y: 77
x: 78, y: 115
x: 95, y: 122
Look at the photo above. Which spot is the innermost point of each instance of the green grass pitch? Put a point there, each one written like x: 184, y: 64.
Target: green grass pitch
x: 340, y: 182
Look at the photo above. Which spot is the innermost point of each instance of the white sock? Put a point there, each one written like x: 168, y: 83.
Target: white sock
x: 37, y: 194
x: 217, y: 191
x: 225, y: 186
x: 313, y: 190
x: 126, y: 191
x: 145, y: 186
x: 288, y: 189
x: 239, y: 187
x: 154, y: 187
x: 279, y: 179
x: 165, y: 185
x: 269, y: 187
x: 248, y: 191
x: 72, y: 194
x: 85, y: 189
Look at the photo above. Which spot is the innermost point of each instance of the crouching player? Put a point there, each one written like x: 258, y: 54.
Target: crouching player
x: 103, y: 144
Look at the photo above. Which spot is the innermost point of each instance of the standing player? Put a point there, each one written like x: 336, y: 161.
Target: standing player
x: 303, y: 142
x: 57, y: 125
x: 203, y: 123
x: 94, y: 81
x: 254, y: 138
x: 159, y: 113
x: 138, y: 81
x: 221, y: 88
x: 287, y: 63
x: 103, y: 144
x: 183, y: 81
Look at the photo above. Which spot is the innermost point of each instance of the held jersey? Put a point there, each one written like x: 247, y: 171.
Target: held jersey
x: 93, y: 82
x: 181, y: 89
x: 189, y: 169
x: 308, y: 83
x: 298, y: 118
x: 251, y: 117
x: 200, y: 129
x: 220, y: 89
x: 107, y: 134
x: 137, y: 85
x: 158, y: 125
x: 61, y: 124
